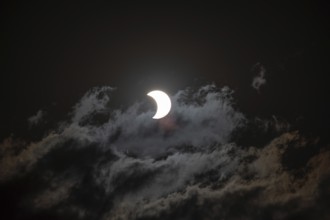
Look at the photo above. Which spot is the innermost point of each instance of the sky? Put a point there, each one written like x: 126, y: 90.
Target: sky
x: 246, y: 138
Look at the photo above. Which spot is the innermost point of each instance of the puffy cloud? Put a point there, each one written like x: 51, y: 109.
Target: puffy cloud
x: 198, y: 119
x: 121, y: 164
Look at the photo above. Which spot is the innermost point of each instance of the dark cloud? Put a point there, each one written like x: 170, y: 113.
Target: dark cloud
x: 107, y: 163
x: 245, y: 188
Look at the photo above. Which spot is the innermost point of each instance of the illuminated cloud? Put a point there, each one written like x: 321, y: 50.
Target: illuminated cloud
x: 107, y: 163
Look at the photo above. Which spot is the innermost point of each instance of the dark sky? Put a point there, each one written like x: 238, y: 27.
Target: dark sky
x: 53, y: 53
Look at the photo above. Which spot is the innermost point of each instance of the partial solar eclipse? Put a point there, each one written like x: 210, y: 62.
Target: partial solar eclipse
x: 163, y: 102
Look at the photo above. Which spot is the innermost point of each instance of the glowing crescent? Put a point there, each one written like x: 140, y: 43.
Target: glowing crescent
x: 163, y: 103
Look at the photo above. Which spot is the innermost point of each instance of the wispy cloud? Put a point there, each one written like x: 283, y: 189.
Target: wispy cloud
x: 259, y: 80
x: 37, y: 118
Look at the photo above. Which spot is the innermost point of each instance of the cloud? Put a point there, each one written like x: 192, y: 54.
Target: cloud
x: 199, y: 119
x: 37, y: 118
x: 133, y: 130
x: 18, y: 158
x: 253, y: 189
x: 93, y: 101
x: 58, y: 190
x: 106, y: 163
x: 167, y: 175
x: 259, y: 80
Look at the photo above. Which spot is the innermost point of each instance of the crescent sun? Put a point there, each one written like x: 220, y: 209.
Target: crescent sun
x: 163, y: 102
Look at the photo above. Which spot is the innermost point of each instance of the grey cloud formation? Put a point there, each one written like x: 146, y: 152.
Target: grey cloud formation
x: 132, y: 130
x: 262, y: 185
x: 58, y: 190
x: 259, y: 80
x: 17, y: 157
x: 92, y: 102
x: 206, y: 119
x: 168, y: 175
x: 108, y: 163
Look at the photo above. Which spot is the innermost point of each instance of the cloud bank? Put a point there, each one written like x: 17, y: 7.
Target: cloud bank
x: 108, y: 163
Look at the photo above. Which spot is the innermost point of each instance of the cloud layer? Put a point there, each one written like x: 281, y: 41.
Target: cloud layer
x: 108, y: 163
